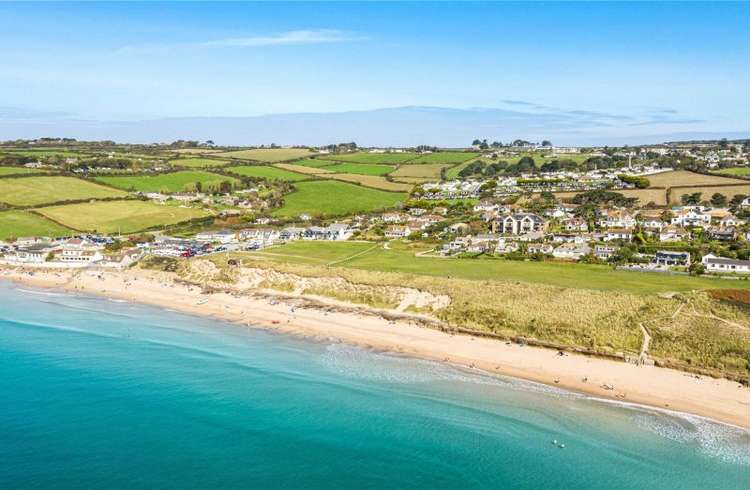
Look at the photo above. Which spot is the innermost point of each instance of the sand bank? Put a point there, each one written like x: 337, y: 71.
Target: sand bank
x: 719, y: 399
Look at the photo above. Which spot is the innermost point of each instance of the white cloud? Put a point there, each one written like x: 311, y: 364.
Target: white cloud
x: 289, y: 38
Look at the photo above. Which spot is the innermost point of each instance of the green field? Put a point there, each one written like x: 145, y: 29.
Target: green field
x: 268, y: 155
x: 579, y: 276
x: 4, y: 171
x: 363, y: 157
x: 313, y: 162
x: 739, y: 171
x: 424, y: 171
x: 14, y: 224
x: 170, y: 182
x: 267, y: 172
x: 445, y: 157
x: 42, y: 153
x: 360, y: 168
x: 198, y: 162
x: 119, y: 216
x: 452, y: 173
x: 326, y: 197
x: 33, y: 191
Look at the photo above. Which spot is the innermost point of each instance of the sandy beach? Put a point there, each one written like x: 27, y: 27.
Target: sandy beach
x: 718, y: 399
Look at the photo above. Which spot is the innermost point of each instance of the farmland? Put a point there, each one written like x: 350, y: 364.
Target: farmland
x: 119, y: 216
x: 360, y: 168
x: 198, y: 162
x: 374, y: 181
x: 363, y: 157
x: 14, y: 224
x: 268, y: 155
x: 197, y: 151
x: 424, y: 171
x: 645, y: 196
x: 170, y: 182
x: 729, y: 191
x: 302, y: 169
x: 313, y: 162
x: 445, y: 157
x: 4, y: 171
x: 683, y: 178
x: 267, y: 172
x: 33, y: 191
x: 325, y: 197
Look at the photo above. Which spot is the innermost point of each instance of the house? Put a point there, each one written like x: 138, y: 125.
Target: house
x: 723, y: 234
x: 485, y: 206
x: 576, y: 224
x: 728, y: 221
x: 712, y: 263
x: 618, y: 234
x: 670, y: 258
x: 78, y: 250
x: 651, y: 223
x: 745, y: 204
x: 504, y: 247
x: 539, y: 248
x: 458, y: 228
x: 604, y: 252
x: 26, y: 241
x: 571, y: 251
x: 394, y: 218
x: 261, y: 236
x: 616, y: 218
x: 397, y: 231
x: 690, y: 216
x: 339, y: 231
x: 519, y: 223
x: 672, y: 234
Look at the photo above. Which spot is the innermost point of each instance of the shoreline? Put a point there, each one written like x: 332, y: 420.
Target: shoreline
x: 652, y: 387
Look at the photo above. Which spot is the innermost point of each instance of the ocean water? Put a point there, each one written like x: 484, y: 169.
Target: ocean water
x: 96, y: 393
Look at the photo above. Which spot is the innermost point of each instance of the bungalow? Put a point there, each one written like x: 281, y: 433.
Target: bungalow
x: 221, y: 236
x: 672, y: 234
x: 504, y: 247
x: 652, y: 224
x: 729, y: 220
x: 486, y: 206
x: 539, y: 248
x: 723, y: 234
x: 671, y: 258
x: 712, y: 263
x: 618, y: 234
x: 518, y: 223
x: 571, y: 251
x: 292, y: 233
x: 397, y: 231
x: 458, y: 228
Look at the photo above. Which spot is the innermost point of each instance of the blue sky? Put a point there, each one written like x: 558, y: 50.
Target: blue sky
x: 625, y: 69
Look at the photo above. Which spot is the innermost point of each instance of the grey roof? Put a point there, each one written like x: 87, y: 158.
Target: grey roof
x: 726, y: 261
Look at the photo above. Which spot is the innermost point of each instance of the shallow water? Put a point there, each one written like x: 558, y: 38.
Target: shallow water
x: 99, y: 393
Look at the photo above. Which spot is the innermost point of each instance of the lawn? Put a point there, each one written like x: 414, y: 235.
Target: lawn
x: 364, y: 157
x: 445, y: 157
x: 326, y: 197
x: 198, y: 162
x: 33, y: 191
x: 373, y: 181
x: 14, y: 224
x: 170, y: 182
x: 580, y: 276
x: 740, y: 171
x: 267, y: 172
x: 424, y: 171
x: 268, y: 155
x: 119, y: 216
x: 360, y: 168
x: 18, y: 171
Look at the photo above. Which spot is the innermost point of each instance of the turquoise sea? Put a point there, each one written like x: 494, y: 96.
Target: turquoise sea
x: 96, y: 393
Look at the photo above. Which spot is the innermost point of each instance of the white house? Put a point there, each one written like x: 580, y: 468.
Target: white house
x: 571, y: 251
x: 712, y: 263
x: 78, y: 250
x: 691, y: 216
x: 518, y: 223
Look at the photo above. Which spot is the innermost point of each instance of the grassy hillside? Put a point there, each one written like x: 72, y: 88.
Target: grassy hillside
x: 33, y: 191
x: 14, y: 224
x: 170, y: 182
x: 325, y: 197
